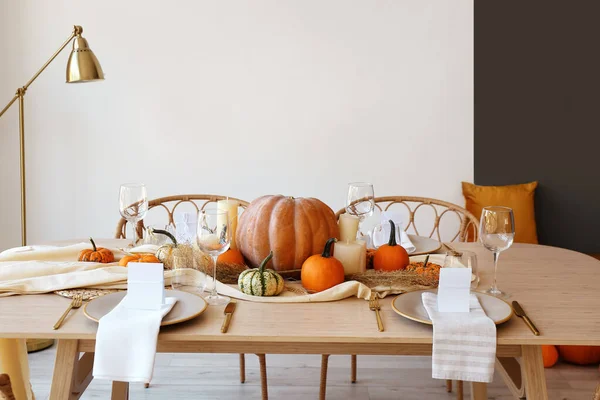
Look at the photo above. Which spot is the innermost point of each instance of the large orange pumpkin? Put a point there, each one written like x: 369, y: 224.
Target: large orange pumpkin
x: 294, y: 228
x: 582, y: 355
x: 322, y: 271
x: 550, y: 355
x: 391, y: 256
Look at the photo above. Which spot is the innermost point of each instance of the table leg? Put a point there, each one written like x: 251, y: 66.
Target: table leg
x: 14, y: 362
x: 533, y: 373
x: 120, y: 390
x: 67, y: 356
x: 478, y: 391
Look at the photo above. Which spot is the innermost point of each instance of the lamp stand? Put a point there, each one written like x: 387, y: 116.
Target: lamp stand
x: 20, y: 95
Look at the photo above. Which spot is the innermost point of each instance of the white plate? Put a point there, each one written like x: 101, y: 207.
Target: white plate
x: 424, y: 245
x: 188, y: 306
x: 410, y: 306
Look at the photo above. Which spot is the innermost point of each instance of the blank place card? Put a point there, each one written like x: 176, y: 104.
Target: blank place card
x: 454, y: 290
x: 145, y: 286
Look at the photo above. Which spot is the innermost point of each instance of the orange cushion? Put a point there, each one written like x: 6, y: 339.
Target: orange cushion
x: 518, y: 197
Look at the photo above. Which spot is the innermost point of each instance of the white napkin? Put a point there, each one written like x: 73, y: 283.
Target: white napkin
x: 464, y: 344
x: 126, y: 342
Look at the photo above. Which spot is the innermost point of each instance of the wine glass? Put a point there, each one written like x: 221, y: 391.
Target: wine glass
x: 177, y: 279
x: 213, y: 237
x: 133, y: 205
x: 496, y: 232
x: 360, y: 200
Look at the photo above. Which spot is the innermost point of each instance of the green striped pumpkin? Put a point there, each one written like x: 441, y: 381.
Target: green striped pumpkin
x: 261, y: 282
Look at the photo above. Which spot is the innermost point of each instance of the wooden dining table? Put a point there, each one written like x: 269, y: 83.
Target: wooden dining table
x: 559, y: 289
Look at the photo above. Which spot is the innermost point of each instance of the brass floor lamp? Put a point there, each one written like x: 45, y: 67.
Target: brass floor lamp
x: 81, y: 67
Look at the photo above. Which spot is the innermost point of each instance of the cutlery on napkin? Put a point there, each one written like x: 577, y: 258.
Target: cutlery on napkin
x: 229, y: 309
x: 521, y: 314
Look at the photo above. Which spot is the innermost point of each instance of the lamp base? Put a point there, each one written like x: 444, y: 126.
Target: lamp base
x: 34, y: 345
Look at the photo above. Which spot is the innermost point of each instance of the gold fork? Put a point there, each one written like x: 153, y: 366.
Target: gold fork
x: 75, y: 303
x: 374, y: 306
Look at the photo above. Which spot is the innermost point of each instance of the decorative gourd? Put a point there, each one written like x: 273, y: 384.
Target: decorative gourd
x: 138, y: 258
x: 166, y: 251
x: 322, y: 271
x: 232, y: 257
x: 391, y: 256
x: 549, y: 355
x: 582, y: 355
x: 261, y: 282
x: 96, y: 254
x: 293, y: 228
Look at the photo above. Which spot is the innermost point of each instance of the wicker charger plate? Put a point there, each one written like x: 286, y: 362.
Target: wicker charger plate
x: 87, y: 294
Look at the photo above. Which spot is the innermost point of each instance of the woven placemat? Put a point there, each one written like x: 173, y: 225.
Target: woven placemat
x: 87, y: 294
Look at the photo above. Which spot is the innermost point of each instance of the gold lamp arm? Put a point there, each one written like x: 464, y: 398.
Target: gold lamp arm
x: 77, y: 30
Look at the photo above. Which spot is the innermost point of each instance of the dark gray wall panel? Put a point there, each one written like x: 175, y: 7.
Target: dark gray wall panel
x: 537, y: 110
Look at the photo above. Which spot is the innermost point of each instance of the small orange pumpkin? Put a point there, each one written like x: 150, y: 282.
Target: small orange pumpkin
x: 231, y: 256
x: 550, y: 355
x: 322, y: 271
x: 391, y: 256
x: 138, y: 258
x: 582, y: 355
x: 96, y: 254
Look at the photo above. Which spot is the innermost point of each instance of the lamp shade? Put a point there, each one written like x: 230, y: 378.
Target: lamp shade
x: 83, y: 66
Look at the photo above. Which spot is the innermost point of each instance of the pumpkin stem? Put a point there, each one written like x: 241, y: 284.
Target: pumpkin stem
x: 93, y: 244
x: 392, y: 241
x: 327, y: 248
x: 168, y: 234
x: 264, y: 263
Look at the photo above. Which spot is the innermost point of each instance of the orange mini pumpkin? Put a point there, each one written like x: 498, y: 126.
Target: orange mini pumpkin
x: 322, y: 271
x: 391, y: 256
x: 96, y: 254
x: 582, y: 355
x: 549, y: 355
x: 231, y: 256
x: 138, y: 258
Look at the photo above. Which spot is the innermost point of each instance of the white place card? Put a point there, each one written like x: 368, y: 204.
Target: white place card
x: 454, y: 290
x: 145, y: 286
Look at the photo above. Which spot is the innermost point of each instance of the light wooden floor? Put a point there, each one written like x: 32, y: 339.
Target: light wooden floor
x: 209, y: 376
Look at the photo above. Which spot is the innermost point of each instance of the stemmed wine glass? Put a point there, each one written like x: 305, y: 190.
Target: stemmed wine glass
x: 133, y: 204
x: 496, y: 232
x: 213, y: 237
x: 360, y: 201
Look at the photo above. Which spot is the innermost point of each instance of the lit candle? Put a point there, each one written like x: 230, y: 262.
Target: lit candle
x: 231, y: 206
x: 351, y: 256
x: 348, y: 227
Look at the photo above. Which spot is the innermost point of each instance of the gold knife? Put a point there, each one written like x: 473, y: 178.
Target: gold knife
x: 229, y: 309
x: 521, y: 313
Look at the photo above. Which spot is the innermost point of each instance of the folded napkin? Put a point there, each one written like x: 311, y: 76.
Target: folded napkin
x: 464, y: 344
x: 126, y: 342
x: 381, y: 235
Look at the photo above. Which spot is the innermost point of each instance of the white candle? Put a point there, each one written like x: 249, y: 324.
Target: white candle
x: 350, y: 255
x: 231, y: 206
x: 363, y: 255
x: 348, y: 227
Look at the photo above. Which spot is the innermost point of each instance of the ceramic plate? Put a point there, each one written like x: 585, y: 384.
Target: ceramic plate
x: 188, y: 306
x: 424, y: 245
x: 410, y: 306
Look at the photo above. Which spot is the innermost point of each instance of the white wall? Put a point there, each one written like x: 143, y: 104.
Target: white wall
x: 240, y: 97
